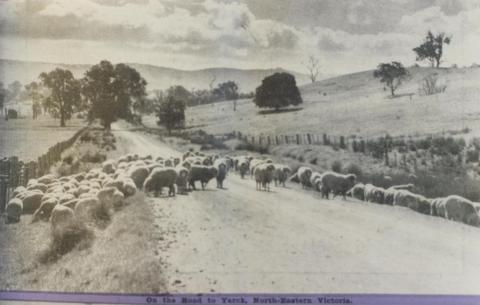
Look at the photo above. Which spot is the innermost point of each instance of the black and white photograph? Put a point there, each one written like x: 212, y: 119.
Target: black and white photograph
x: 167, y: 147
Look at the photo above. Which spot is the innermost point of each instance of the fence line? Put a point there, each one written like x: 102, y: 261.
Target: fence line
x: 14, y: 172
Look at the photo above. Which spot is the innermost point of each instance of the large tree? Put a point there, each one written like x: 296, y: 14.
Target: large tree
x: 432, y: 48
x: 171, y: 113
x: 111, y: 91
x: 64, y: 95
x: 277, y: 91
x: 392, y: 74
x: 227, y: 91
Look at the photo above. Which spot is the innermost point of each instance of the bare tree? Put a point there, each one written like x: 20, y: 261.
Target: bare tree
x: 313, y: 68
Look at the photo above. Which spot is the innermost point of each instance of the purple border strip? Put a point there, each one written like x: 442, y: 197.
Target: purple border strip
x: 357, y: 299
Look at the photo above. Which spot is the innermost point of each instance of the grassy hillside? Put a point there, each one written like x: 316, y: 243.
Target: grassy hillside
x: 357, y: 104
x: 157, y: 77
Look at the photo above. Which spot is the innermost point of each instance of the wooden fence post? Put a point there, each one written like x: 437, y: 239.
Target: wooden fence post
x: 298, y: 139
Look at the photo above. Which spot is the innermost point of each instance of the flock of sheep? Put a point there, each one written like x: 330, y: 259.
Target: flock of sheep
x: 105, y: 188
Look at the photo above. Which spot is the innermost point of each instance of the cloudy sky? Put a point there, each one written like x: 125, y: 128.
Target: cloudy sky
x: 346, y: 35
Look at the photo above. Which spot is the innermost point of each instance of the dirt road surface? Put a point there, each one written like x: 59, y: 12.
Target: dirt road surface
x: 288, y: 240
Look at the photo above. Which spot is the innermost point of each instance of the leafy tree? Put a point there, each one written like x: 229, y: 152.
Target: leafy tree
x: 432, y: 48
x: 180, y: 93
x: 277, y: 90
x: 392, y: 74
x: 64, y: 94
x: 111, y: 90
x: 171, y: 113
x: 227, y: 91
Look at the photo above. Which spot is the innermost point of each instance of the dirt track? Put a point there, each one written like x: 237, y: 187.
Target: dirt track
x: 288, y: 240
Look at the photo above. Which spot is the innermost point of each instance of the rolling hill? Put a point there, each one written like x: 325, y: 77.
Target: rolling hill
x: 356, y: 104
x: 157, y: 77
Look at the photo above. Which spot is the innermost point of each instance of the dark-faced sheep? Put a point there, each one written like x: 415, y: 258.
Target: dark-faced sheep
x: 160, y: 178
x: 375, y: 195
x: 221, y: 174
x: 243, y: 167
x: 304, y: 173
x: 138, y: 175
x: 203, y: 174
x: 281, y: 174
x: 337, y: 183
x: 390, y: 196
x: 264, y: 176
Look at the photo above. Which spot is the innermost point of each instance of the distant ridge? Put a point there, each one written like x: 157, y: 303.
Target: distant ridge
x: 157, y: 77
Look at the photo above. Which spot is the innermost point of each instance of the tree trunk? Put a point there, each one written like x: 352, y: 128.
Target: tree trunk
x: 392, y: 90
x: 62, y: 118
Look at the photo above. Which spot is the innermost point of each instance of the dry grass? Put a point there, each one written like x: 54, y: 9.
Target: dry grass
x: 28, y: 139
x: 121, y: 259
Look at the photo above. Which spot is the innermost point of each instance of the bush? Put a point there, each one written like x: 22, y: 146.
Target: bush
x: 353, y: 168
x: 337, y: 166
x: 430, y: 86
x: 12, y: 114
x: 277, y: 91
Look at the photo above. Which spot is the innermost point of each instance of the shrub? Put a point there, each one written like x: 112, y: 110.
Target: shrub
x: 337, y: 166
x: 12, y: 114
x: 430, y: 86
x: 353, y: 168
x: 472, y: 155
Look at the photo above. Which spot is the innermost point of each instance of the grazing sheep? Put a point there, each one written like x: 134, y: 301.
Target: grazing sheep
x: 337, y: 183
x: 243, y: 167
x: 390, y: 196
x: 111, y: 197
x: 460, y: 209
x: 71, y: 204
x: 61, y: 215
x: 138, y: 175
x: 182, y: 179
x: 375, y: 195
x: 304, y: 173
x: 45, y: 210
x: 38, y: 186
x: 203, y: 174
x: 160, y: 178
x: 168, y: 163
x: 264, y: 176
x: 128, y: 188
x: 412, y: 201
x: 32, y: 201
x: 315, y: 178
x: 281, y: 173
x: 19, y: 190
x: 109, y: 166
x: 14, y: 210
x: 253, y: 164
x: 47, y: 179
x: 357, y: 191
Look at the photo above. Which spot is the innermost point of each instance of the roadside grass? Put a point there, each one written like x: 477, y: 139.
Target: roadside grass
x: 121, y: 258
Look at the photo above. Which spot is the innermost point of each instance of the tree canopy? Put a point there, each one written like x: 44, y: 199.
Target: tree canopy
x: 277, y: 91
x: 64, y: 94
x: 112, y: 90
x: 392, y: 74
x: 432, y: 48
x: 171, y: 113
